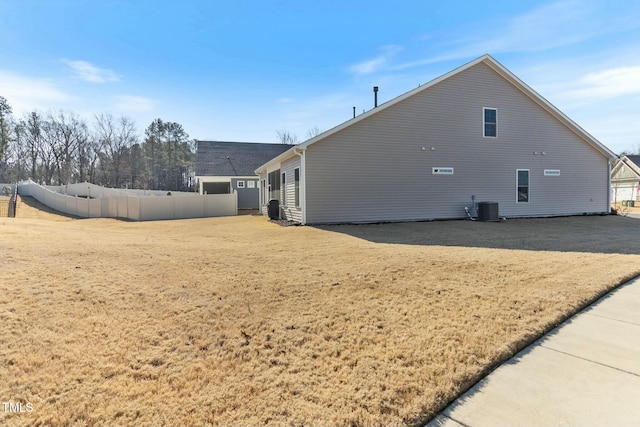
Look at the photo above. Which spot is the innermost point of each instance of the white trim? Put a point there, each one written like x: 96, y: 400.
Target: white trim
x: 528, y: 185
x: 302, y: 186
x: 263, y: 190
x: 484, y: 134
x: 213, y: 178
x: 551, y: 172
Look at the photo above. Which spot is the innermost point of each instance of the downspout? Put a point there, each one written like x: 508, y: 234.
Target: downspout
x: 611, y: 160
x: 303, y: 182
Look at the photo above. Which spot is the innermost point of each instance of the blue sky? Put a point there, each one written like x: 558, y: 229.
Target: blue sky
x: 243, y: 70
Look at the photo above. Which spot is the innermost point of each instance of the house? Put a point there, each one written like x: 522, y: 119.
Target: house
x: 222, y: 167
x: 476, y: 131
x: 625, y: 179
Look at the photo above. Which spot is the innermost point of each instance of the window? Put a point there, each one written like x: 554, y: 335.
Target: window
x: 522, y: 185
x: 284, y: 189
x: 296, y: 174
x: 240, y: 184
x: 490, y: 122
x: 251, y: 184
x: 274, y: 185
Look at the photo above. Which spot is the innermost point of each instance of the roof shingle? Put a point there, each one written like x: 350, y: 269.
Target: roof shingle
x: 225, y: 158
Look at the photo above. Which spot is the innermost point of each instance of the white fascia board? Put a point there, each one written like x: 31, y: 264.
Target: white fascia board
x: 634, y: 168
x: 540, y: 100
x: 303, y: 146
x: 224, y: 178
x: 492, y: 63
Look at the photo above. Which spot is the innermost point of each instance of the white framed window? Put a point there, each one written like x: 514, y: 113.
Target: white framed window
x: 284, y: 189
x: 552, y: 172
x: 240, y: 184
x: 251, y: 184
x: 296, y: 175
x: 522, y: 185
x: 490, y: 122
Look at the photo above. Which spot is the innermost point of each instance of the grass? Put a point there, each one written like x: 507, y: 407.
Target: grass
x: 238, y: 321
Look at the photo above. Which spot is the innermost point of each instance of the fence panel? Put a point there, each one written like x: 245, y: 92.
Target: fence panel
x: 156, y: 208
x: 116, y: 203
x: 188, y: 207
x: 133, y: 208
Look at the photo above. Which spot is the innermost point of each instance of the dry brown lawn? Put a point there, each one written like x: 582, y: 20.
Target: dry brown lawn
x: 238, y: 321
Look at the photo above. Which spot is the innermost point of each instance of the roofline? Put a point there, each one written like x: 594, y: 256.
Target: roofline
x: 493, y: 64
x: 542, y: 101
x: 626, y: 161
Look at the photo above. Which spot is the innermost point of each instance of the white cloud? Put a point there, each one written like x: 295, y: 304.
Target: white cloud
x: 611, y: 83
x: 134, y: 104
x: 27, y: 94
x: 90, y: 73
x: 373, y: 65
x: 550, y: 26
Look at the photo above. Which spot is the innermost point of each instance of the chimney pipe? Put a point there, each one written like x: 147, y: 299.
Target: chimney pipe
x: 375, y: 96
x: 354, y: 112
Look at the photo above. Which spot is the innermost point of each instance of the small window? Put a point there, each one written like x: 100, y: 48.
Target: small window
x: 251, y: 184
x: 284, y: 189
x: 490, y: 122
x: 522, y: 186
x: 296, y: 174
x: 240, y: 184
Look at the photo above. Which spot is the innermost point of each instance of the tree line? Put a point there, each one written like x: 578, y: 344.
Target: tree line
x: 59, y: 148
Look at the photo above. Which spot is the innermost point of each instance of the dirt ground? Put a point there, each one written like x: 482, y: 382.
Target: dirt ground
x: 239, y: 321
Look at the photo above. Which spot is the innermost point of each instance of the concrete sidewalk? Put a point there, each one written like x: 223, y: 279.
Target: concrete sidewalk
x: 586, y: 372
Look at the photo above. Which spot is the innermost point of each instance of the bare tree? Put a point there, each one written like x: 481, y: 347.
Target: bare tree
x: 116, y: 137
x: 313, y: 132
x: 6, y: 127
x: 286, y: 137
x: 32, y: 138
x: 69, y: 132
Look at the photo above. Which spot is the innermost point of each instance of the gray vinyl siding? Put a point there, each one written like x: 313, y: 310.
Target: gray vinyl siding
x: 290, y: 211
x: 377, y: 169
x: 248, y: 198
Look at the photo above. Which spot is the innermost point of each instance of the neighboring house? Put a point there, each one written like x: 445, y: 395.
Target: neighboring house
x: 625, y: 179
x: 475, y: 131
x: 222, y: 167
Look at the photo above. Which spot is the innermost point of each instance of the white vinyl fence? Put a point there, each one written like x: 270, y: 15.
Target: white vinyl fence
x: 100, y: 202
x: 86, y: 189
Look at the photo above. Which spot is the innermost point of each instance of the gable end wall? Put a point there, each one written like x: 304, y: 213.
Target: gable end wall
x: 380, y: 169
